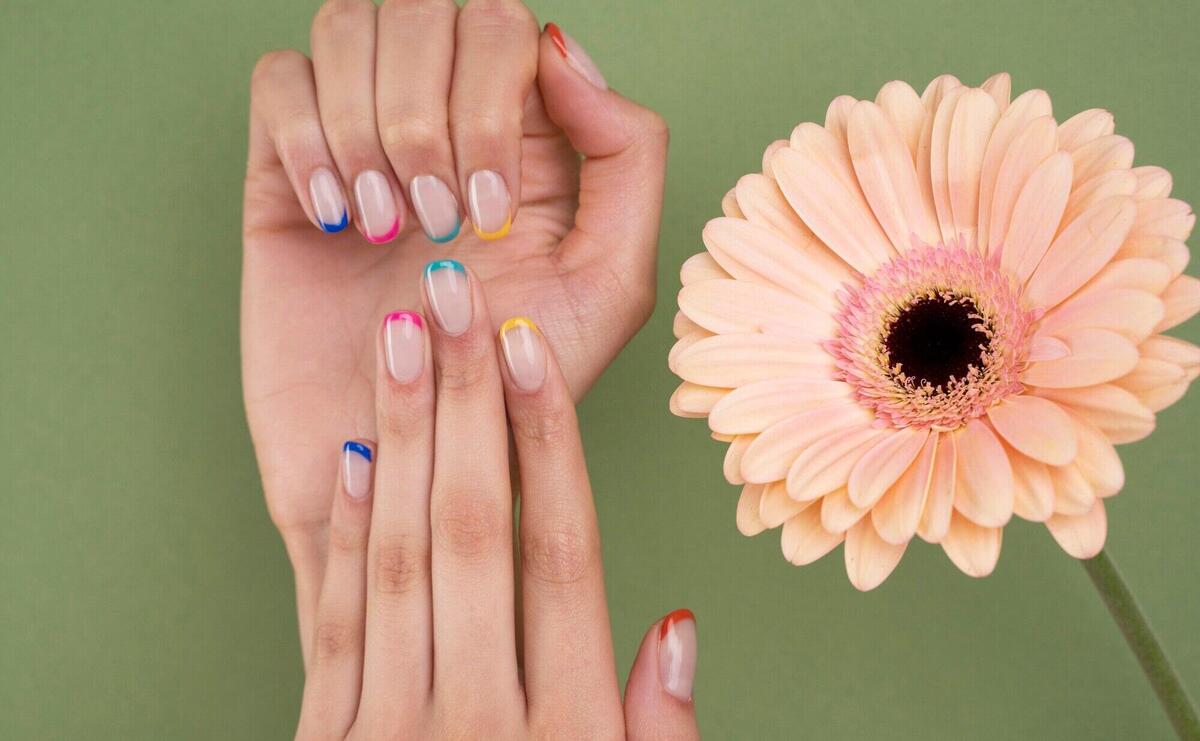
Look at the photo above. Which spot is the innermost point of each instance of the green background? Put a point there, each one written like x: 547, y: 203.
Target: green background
x: 143, y: 591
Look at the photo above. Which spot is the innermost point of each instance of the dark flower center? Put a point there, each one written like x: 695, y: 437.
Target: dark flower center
x: 937, y: 338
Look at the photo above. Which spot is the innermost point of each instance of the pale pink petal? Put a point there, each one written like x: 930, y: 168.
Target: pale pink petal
x: 691, y: 400
x: 837, y: 116
x: 938, y: 160
x: 970, y: 130
x: 682, y: 344
x: 1031, y: 147
x: 1028, y: 106
x: 765, y: 205
x: 884, y: 464
x: 1151, y: 374
x: 1081, y: 536
x: 730, y: 207
x: 1088, y: 193
x: 1036, y: 217
x: 869, y: 558
x: 1101, y: 155
x: 1122, y: 417
x: 1080, y: 251
x: 1153, y: 182
x: 739, y: 306
x: 755, y: 407
x: 732, y: 360
x: 1173, y: 350
x: 939, y: 502
x: 838, y: 513
x: 1181, y: 302
x: 755, y: 253
x: 1037, y: 427
x: 1172, y: 253
x: 1073, y: 493
x: 771, y: 455
x: 1165, y: 217
x: 1160, y: 398
x: 972, y: 548
x: 903, y: 106
x: 885, y: 171
x: 1097, y: 356
x: 984, y: 489
x: 776, y: 507
x: 700, y: 267
x: 1033, y: 491
x: 937, y: 89
x: 1098, y: 460
x: 683, y: 326
x: 1085, y: 127
x: 1130, y: 313
x: 769, y: 154
x: 721, y: 438
x: 1047, y: 348
x: 999, y: 86
x: 748, y: 522
x: 826, y: 464
x: 1137, y: 273
x: 804, y: 540
x: 898, y: 513
x: 817, y: 178
x: 733, y: 459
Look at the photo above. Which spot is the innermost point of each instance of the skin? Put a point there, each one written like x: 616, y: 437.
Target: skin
x: 423, y: 87
x: 416, y: 632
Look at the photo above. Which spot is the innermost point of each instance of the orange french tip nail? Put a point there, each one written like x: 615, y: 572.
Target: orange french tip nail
x: 556, y: 36
x: 674, y: 617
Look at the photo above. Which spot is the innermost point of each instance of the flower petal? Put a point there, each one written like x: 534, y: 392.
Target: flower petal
x: 1013, y: 121
x: 769, y: 154
x: 838, y: 513
x: 1151, y: 374
x: 1173, y: 350
x: 682, y: 344
x: 937, y: 89
x: 984, y: 487
x: 939, y: 503
x: 1114, y: 410
x: 1047, y: 348
x: 1073, y: 493
x: 764, y: 205
x: 903, y: 106
x: 1035, y: 218
x: 1081, y: 536
x: 739, y: 306
x: 1101, y: 155
x: 683, y: 326
x: 730, y: 206
x: 825, y: 465
x: 1033, y: 491
x: 999, y: 86
x: 1088, y: 193
x: 757, y: 406
x: 1141, y: 274
x: 1132, y: 314
x: 837, y: 116
x: 776, y: 507
x: 933, y: 160
x: 972, y: 548
x: 1166, y: 217
x: 1097, y: 356
x: 1153, y: 182
x: 898, y: 513
x: 974, y: 118
x: 748, y: 521
x: 1080, y: 251
x: 692, y: 400
x: 771, y: 455
x: 733, y: 458
x: 700, y: 267
x: 1031, y: 147
x: 1037, y: 427
x: 884, y: 464
x: 869, y: 558
x: 1181, y: 302
x: 1084, y: 127
x: 732, y: 360
x: 1098, y: 460
x: 804, y: 540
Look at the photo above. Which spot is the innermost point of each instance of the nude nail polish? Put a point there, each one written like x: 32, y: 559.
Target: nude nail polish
x: 490, y: 204
x: 377, y: 207
x: 524, y: 353
x: 677, y: 654
x: 404, y: 345
x: 328, y: 202
x: 436, y: 208
x: 575, y: 57
x: 356, y: 469
x: 449, y: 291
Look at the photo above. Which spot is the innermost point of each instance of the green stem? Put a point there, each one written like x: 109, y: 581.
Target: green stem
x: 1140, y: 637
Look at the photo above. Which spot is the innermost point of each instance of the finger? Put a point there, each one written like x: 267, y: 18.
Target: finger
x: 494, y: 70
x: 343, y: 47
x: 471, y: 507
x: 331, y: 689
x: 567, y: 641
x: 285, y: 125
x: 625, y: 148
x: 658, y: 696
x: 399, y: 642
x: 415, y: 62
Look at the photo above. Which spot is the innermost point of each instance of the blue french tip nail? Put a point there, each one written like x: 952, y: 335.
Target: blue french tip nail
x: 353, y: 447
x: 448, y: 237
x: 445, y: 265
x: 335, y: 228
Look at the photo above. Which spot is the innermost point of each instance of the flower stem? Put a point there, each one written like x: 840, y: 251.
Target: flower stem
x: 1140, y: 636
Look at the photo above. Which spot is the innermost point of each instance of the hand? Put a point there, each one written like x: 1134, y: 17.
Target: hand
x: 390, y: 125
x: 417, y: 632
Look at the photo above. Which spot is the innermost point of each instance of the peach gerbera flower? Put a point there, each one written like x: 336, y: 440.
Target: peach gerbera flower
x: 931, y: 314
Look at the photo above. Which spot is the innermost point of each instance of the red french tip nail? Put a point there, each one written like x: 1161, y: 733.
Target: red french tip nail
x: 556, y: 36
x: 674, y: 617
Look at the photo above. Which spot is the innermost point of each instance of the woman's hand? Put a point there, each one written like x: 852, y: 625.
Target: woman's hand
x: 425, y: 627
x: 411, y: 120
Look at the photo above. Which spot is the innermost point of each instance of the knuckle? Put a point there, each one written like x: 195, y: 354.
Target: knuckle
x: 348, y: 540
x: 417, y: 12
x: 497, y: 16
x: 463, y: 375
x: 490, y: 130
x: 562, y: 554
x: 335, y: 16
x: 405, y: 132
x: 399, y: 413
x: 334, y: 640
x: 470, y: 524
x: 542, y: 425
x: 401, y: 565
x: 350, y: 129
x: 275, y: 64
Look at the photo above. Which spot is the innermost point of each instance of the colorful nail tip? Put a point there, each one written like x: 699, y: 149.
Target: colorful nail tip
x: 388, y: 236
x: 557, y: 37
x: 358, y: 448
x: 498, y: 234
x: 517, y: 321
x: 675, y: 617
x: 409, y: 316
x: 334, y: 228
x: 436, y: 265
x: 449, y: 237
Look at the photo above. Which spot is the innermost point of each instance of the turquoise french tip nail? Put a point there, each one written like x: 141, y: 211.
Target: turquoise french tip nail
x: 445, y: 265
x: 449, y: 237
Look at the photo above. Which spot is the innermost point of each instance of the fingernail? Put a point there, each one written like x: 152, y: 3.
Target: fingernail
x: 404, y: 345
x: 677, y: 654
x: 436, y: 208
x: 490, y: 204
x: 524, y: 353
x: 575, y: 56
x: 328, y: 201
x: 377, y: 206
x: 449, y: 295
x: 356, y: 469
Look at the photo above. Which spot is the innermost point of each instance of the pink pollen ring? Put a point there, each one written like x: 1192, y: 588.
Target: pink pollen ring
x: 391, y: 234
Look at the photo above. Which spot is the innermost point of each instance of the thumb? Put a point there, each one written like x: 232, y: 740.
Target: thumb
x: 625, y: 153
x: 658, y: 696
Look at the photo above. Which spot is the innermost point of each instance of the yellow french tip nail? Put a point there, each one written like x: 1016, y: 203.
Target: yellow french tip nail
x: 493, y: 236
x: 518, y: 321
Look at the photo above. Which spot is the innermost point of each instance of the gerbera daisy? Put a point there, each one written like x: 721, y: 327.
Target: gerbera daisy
x: 930, y: 314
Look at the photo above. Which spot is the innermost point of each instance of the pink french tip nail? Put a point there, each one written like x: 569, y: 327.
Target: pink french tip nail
x: 677, y: 654
x: 404, y: 345
x: 377, y: 207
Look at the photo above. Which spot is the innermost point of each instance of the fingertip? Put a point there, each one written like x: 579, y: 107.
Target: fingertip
x: 524, y: 351
x: 358, y: 461
x: 573, y: 55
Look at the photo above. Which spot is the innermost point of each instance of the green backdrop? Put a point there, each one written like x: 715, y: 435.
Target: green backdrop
x: 143, y: 591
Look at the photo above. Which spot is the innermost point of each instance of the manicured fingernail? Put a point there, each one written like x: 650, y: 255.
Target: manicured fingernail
x: 449, y: 295
x: 524, y: 353
x: 490, y: 204
x: 404, y: 345
x: 436, y: 208
x: 377, y: 206
x: 677, y: 654
x: 328, y: 201
x: 356, y: 469
x: 575, y: 56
